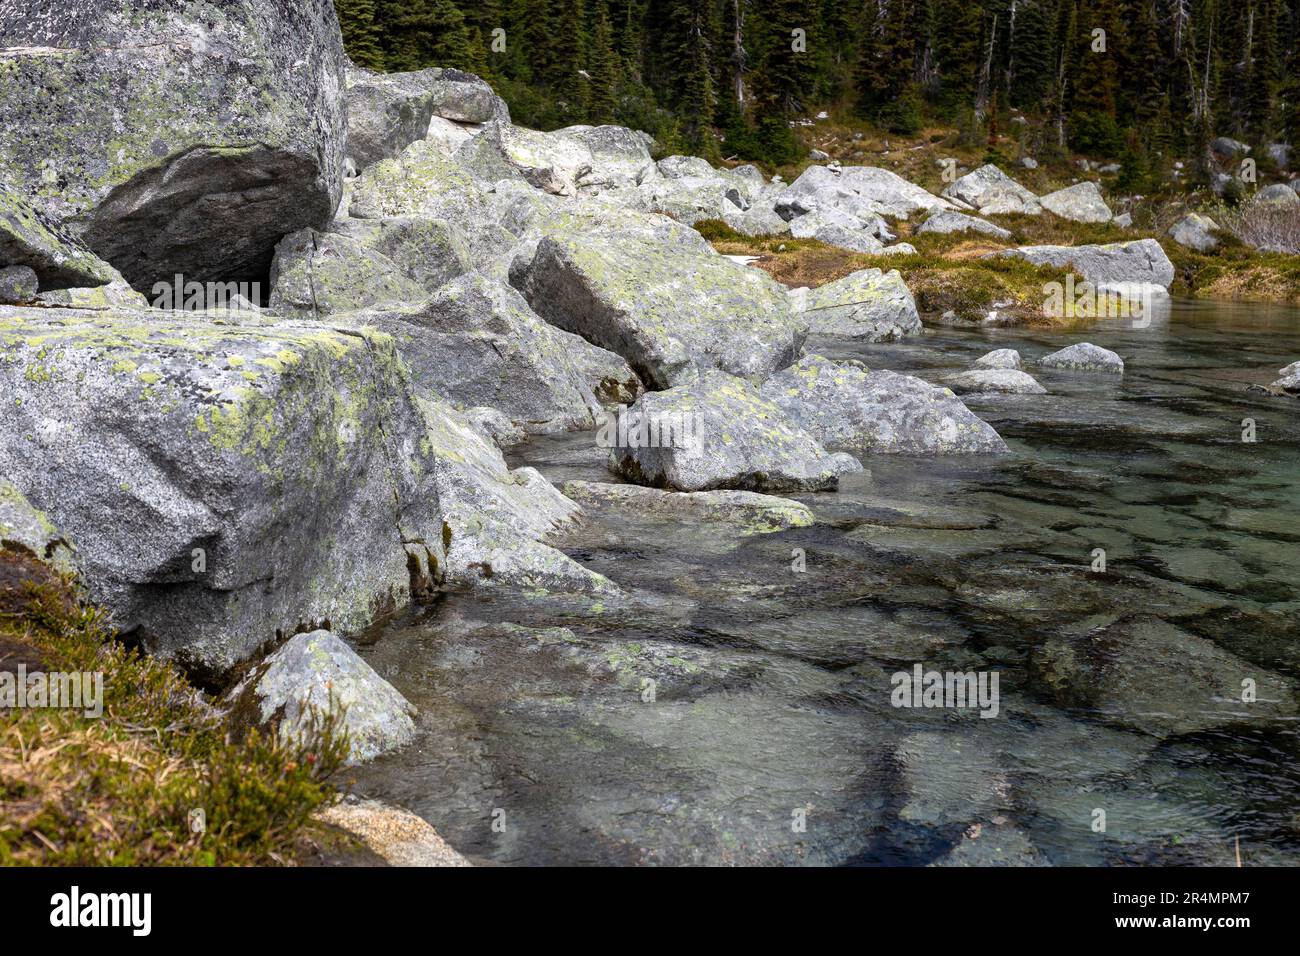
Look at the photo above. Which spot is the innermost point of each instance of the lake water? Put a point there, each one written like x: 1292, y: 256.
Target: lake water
x: 1121, y: 737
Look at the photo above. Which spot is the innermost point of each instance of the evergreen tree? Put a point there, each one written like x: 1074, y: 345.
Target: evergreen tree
x: 603, y: 68
x: 361, y: 34
x: 422, y: 33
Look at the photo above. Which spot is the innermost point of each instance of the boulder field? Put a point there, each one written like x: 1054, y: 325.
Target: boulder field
x: 440, y: 283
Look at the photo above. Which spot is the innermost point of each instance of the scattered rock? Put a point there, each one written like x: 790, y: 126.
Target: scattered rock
x: 1116, y: 263
x: 817, y: 156
x: 1278, y: 194
x: 845, y: 405
x: 1027, y: 162
x: 948, y: 221
x: 314, y: 675
x: 721, y: 432
x: 1007, y: 381
x: 999, y: 358
x: 1081, y: 202
x: 1124, y: 220
x: 1195, y: 232
x: 993, y: 192
x: 1084, y: 357
x: 862, y: 191
x: 1225, y: 148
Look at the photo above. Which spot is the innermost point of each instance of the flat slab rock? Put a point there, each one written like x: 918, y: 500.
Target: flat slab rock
x: 752, y: 512
x: 1001, y: 380
x: 721, y: 432
x: 316, y: 674
x: 846, y: 405
x: 868, y: 305
x: 1116, y: 263
x: 1083, y: 357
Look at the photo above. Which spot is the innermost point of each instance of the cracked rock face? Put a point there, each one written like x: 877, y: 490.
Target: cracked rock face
x: 845, y: 405
x: 224, y: 130
x: 720, y: 432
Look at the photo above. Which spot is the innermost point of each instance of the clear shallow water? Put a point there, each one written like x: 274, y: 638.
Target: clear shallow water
x: 1119, y: 691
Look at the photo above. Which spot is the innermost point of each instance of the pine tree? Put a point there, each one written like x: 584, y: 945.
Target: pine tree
x: 424, y: 33
x: 361, y: 34
x: 603, y: 68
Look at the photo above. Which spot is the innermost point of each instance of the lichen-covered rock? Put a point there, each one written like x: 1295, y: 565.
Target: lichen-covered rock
x: 551, y: 162
x: 1116, y: 263
x: 868, y: 305
x: 608, y: 376
x: 845, y: 405
x: 477, y: 342
x: 1007, y: 381
x: 1278, y: 194
x: 430, y: 251
x: 620, y: 156
x: 836, y: 229
x: 1081, y: 202
x: 719, y: 432
x: 176, y: 138
x: 494, y: 520
x: 747, y: 511
x: 861, y: 191
x: 993, y: 192
x: 669, y: 311
x: 689, y: 199
x: 315, y: 274
x: 760, y: 219
x: 684, y: 167
x: 389, y: 111
x: 947, y: 221
x: 999, y: 358
x: 18, y: 284
x: 28, y: 238
x: 223, y: 481
x: 24, y: 527
x: 1084, y: 357
x: 315, y: 675
x: 1195, y: 232
x: 116, y: 294
x: 492, y: 424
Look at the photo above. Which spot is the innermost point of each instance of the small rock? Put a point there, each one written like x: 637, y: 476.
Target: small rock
x: 818, y: 156
x: 1278, y: 194
x: 18, y: 284
x: 1195, y: 232
x: 1084, y: 357
x: 999, y: 358
x: 1003, y: 380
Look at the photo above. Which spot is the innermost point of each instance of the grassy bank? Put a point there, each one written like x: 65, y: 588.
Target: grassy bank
x: 121, y: 789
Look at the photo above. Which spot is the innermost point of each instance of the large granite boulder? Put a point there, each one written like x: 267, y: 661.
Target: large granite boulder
x: 552, y: 162
x: 175, y: 138
x: 1139, y: 262
x: 845, y: 405
x: 227, y: 479
x: 620, y: 156
x: 946, y: 221
x: 314, y: 676
x: 993, y: 192
x: 718, y: 432
x: 1081, y: 202
x: 431, y: 252
x: 868, y: 305
x: 476, y: 342
x: 669, y: 311
x: 60, y: 261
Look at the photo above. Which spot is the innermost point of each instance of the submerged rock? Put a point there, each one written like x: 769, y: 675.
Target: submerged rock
x: 1112, y: 264
x: 846, y: 405
x: 224, y: 129
x: 1081, y: 202
x: 1005, y: 380
x: 993, y: 192
x: 317, y: 675
x: 720, y: 432
x: 1083, y: 357
x: 752, y: 513
x: 868, y: 305
x: 670, y: 312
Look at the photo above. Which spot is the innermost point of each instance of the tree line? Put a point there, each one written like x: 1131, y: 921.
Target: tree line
x: 1140, y: 78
